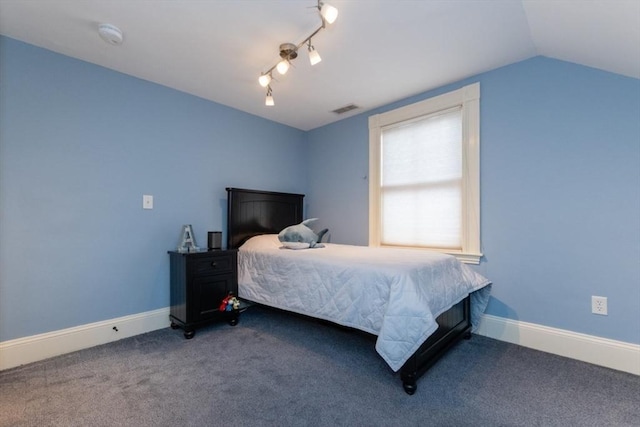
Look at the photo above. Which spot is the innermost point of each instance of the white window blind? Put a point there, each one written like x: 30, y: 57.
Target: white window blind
x: 421, y: 182
x: 424, y: 171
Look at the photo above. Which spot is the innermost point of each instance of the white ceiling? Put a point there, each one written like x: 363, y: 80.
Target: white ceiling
x: 377, y: 52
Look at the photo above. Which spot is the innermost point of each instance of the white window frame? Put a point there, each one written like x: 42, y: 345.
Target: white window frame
x: 468, y: 98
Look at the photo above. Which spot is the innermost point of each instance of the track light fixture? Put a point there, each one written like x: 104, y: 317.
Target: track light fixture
x: 289, y: 51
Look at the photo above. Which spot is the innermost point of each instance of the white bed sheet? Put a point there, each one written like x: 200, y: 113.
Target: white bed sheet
x: 395, y: 294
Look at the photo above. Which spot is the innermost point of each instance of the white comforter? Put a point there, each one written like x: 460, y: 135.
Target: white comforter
x: 395, y: 294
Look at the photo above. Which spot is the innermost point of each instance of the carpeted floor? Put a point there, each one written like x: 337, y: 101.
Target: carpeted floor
x: 277, y: 369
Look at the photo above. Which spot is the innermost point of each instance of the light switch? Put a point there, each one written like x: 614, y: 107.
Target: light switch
x: 147, y: 202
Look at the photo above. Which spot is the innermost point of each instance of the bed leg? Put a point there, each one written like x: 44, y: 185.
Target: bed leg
x: 467, y: 335
x: 409, y: 384
x: 410, y: 387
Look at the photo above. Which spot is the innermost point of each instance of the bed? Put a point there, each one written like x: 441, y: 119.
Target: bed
x: 417, y: 303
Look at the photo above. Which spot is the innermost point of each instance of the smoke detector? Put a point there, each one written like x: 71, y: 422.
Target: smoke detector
x: 110, y: 34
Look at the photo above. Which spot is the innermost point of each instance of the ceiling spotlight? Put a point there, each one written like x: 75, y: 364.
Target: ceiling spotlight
x: 283, y: 66
x: 328, y: 12
x: 264, y: 80
x: 314, y: 56
x: 110, y: 34
x: 289, y: 51
x: 269, y: 99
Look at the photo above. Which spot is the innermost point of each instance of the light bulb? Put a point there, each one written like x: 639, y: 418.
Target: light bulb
x: 314, y: 56
x: 264, y: 80
x: 283, y: 66
x: 269, y: 101
x: 329, y: 13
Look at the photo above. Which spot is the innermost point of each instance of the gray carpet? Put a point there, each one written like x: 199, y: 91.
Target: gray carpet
x: 277, y: 369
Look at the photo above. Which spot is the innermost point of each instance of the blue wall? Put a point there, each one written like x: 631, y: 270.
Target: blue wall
x: 560, y: 192
x: 79, y: 146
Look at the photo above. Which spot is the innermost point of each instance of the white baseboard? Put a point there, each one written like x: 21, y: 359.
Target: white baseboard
x: 43, y: 346
x: 612, y: 354
x: 599, y: 351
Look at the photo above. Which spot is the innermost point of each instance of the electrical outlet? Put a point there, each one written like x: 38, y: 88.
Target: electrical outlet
x: 599, y: 305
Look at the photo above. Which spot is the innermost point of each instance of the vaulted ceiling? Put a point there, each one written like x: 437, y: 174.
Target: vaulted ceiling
x: 377, y: 52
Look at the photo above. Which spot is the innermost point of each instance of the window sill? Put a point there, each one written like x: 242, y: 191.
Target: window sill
x: 466, y: 258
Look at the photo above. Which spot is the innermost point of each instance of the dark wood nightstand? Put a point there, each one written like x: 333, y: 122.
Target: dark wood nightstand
x: 199, y: 283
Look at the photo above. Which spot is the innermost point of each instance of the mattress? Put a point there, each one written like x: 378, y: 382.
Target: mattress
x: 395, y: 294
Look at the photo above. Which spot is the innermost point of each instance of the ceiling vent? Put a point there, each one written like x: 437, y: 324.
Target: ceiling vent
x: 346, y: 108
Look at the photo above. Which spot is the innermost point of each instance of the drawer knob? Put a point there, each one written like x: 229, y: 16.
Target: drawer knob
x: 214, y: 264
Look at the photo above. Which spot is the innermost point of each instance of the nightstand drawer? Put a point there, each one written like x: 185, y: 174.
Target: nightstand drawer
x: 222, y: 263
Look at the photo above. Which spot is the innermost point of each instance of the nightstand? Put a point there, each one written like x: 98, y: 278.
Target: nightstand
x: 199, y: 283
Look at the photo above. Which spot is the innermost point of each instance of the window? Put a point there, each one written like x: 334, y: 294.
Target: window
x: 424, y: 169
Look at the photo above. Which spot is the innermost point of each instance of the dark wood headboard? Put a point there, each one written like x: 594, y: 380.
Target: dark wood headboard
x: 253, y: 212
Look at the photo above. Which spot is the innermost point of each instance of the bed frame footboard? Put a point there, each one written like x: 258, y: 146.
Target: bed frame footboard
x: 454, y: 324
